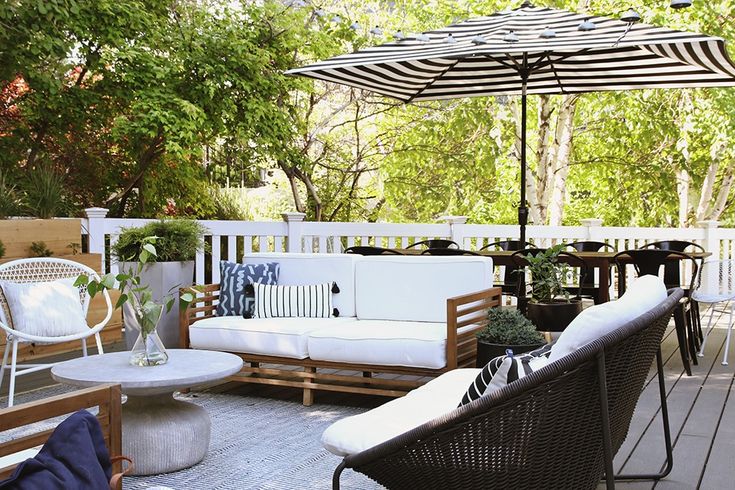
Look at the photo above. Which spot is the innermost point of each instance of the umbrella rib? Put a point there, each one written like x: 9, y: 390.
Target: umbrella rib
x: 432, y: 81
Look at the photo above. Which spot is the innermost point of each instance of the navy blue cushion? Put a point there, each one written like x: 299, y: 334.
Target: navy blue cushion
x: 74, y: 457
x: 235, y: 297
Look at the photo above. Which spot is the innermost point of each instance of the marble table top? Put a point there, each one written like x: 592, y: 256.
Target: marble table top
x: 185, y: 368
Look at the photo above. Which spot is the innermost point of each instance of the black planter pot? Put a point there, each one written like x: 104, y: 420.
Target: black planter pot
x: 553, y: 317
x: 487, y: 351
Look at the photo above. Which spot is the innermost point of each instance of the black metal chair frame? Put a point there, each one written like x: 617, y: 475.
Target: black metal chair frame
x: 589, y: 289
x: 449, y: 251
x: 509, y: 286
x: 366, y: 250
x: 650, y: 261
x: 435, y: 243
x: 581, y: 404
x: 672, y: 274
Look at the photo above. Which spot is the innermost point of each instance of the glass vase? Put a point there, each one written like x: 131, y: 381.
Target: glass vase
x: 148, y: 350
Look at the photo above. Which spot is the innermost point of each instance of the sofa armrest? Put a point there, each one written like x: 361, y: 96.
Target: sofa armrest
x: 468, y: 310
x: 203, y: 306
x: 106, y: 397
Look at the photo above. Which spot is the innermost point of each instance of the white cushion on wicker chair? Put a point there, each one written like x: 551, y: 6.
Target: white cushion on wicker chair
x: 353, y: 434
x: 641, y: 296
x: 45, y: 309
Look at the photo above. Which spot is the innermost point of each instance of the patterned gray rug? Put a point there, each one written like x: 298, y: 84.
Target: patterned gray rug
x: 257, y: 443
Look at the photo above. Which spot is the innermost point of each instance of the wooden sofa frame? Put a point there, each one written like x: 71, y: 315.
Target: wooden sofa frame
x: 462, y: 311
x: 106, y: 397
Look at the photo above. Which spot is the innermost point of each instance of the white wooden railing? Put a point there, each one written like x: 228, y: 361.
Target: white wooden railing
x: 232, y: 239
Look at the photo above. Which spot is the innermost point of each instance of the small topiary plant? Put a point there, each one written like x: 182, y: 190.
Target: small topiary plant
x: 177, y: 240
x: 508, y: 326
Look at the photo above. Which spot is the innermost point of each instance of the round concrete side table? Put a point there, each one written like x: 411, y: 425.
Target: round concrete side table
x: 160, y: 434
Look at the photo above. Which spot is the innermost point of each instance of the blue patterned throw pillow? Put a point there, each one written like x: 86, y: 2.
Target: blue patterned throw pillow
x: 235, y: 297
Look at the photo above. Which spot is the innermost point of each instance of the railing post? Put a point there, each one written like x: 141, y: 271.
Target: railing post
x: 96, y: 232
x: 456, y: 228
x: 295, y: 223
x: 593, y: 226
x: 711, y: 244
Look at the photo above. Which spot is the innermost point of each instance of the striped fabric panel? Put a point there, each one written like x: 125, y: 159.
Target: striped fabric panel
x: 505, y: 369
x: 278, y: 301
x: 614, y: 56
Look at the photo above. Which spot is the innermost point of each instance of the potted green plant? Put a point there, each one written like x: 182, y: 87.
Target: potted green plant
x: 506, y: 328
x: 550, y: 307
x: 138, y: 303
x: 177, y: 242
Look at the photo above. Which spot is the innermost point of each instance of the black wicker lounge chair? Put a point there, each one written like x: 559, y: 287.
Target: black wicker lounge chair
x: 558, y: 427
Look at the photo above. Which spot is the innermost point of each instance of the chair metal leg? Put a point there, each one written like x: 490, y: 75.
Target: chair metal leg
x: 84, y: 347
x: 727, y: 339
x: 667, y: 429
x: 98, y: 340
x: 14, y: 359
x: 337, y: 473
x: 5, y: 362
x: 681, y: 335
x: 709, y: 330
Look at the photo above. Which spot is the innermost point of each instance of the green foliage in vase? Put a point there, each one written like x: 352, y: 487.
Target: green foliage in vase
x: 139, y: 296
x: 547, y: 275
x: 39, y: 249
x: 509, y: 327
x: 177, y: 240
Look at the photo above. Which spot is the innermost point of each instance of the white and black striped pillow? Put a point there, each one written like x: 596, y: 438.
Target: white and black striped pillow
x: 308, y: 301
x: 505, y: 369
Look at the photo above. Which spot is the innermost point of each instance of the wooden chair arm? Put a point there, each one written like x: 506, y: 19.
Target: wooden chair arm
x: 106, y: 397
x: 468, y: 310
x: 203, y: 306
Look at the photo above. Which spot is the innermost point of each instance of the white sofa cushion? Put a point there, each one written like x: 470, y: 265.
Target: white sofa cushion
x: 359, y: 432
x: 642, y: 295
x: 299, y: 269
x: 284, y: 337
x: 416, y: 288
x: 382, y: 343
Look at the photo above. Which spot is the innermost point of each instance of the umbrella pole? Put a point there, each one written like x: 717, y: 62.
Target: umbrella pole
x: 522, y: 209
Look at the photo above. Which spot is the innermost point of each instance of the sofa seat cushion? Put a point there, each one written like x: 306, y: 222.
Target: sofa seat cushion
x: 359, y: 432
x: 382, y: 343
x: 283, y: 337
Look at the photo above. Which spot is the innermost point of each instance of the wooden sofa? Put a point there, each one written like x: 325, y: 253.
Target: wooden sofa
x: 106, y: 397
x: 463, y: 314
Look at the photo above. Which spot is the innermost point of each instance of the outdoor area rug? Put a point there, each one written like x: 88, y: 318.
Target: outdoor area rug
x: 257, y: 443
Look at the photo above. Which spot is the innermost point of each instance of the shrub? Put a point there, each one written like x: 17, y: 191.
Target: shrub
x: 46, y: 193
x: 39, y: 249
x: 11, y: 199
x: 176, y: 240
x: 2, y: 249
x: 509, y: 327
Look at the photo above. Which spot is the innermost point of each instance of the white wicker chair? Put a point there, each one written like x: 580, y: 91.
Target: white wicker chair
x: 42, y: 270
x: 716, y: 284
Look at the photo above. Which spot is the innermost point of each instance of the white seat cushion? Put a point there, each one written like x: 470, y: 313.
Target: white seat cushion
x: 284, y: 337
x: 642, y: 295
x: 297, y: 269
x: 416, y: 288
x: 383, y: 343
x: 359, y: 432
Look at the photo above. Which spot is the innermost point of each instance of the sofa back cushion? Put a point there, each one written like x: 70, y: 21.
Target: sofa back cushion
x: 297, y: 269
x: 416, y: 288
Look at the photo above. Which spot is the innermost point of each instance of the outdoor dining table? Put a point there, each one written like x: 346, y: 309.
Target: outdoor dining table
x: 594, y: 260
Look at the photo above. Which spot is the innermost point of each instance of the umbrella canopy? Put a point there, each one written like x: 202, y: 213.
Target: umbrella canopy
x: 531, y: 50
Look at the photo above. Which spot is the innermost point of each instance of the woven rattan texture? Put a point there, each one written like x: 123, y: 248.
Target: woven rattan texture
x: 547, y: 436
x: 41, y: 270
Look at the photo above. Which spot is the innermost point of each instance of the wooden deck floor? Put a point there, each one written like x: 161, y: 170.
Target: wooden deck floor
x: 702, y: 416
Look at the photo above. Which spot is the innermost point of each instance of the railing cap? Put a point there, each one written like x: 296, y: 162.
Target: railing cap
x: 454, y: 220
x: 293, y: 216
x: 96, y: 212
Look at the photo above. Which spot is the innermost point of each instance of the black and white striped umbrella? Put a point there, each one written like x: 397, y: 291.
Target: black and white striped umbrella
x: 531, y: 50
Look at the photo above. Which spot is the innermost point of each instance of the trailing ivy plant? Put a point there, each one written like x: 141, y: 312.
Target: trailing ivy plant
x: 507, y: 326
